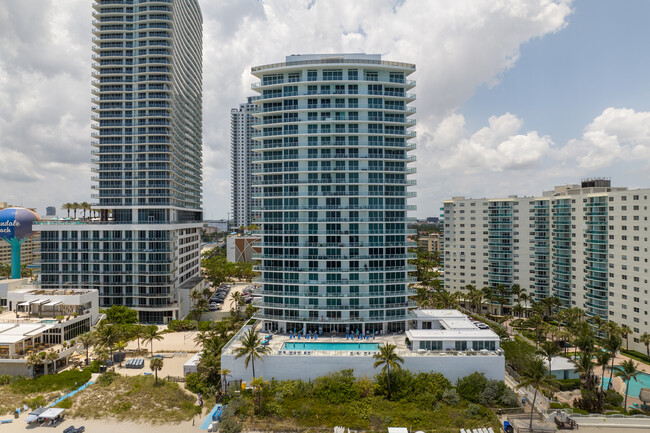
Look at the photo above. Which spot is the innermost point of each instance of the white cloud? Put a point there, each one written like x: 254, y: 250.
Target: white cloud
x: 617, y: 134
x: 457, y: 46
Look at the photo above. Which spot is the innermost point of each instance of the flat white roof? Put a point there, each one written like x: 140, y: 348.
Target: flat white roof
x: 451, y: 335
x: 456, y: 323
x: 52, y: 303
x: 560, y: 363
x: 194, y: 360
x: 437, y: 314
x: 15, y: 332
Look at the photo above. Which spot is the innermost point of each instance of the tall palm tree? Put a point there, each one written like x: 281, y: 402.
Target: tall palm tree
x: 68, y: 207
x: 138, y: 332
x: 602, y: 360
x: 627, y: 371
x: 87, y: 339
x: 251, y: 349
x: 151, y: 333
x: 84, y: 206
x: 445, y: 300
x: 387, y: 358
x: 549, y: 350
x: 535, y: 375
x: 51, y: 358
x: 645, y: 339
x: 120, y: 346
x: 625, y: 333
x: 108, y: 335
x: 502, y: 297
x: 75, y: 208
x: 236, y: 301
x: 613, y: 344
x: 33, y: 360
x: 518, y: 310
x: 488, y: 294
x: 224, y: 373
x: 584, y: 366
x: 258, y: 384
x: 200, y: 307
x: 156, y: 364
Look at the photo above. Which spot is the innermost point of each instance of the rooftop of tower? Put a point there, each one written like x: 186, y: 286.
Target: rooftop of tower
x: 334, y: 58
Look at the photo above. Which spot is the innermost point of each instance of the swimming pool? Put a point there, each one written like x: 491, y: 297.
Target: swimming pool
x: 643, y: 381
x: 49, y: 321
x: 331, y: 346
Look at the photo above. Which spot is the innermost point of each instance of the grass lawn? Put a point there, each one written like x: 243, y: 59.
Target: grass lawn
x: 134, y: 398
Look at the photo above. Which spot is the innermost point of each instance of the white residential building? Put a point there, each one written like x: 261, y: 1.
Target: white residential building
x: 241, y: 165
x: 585, y: 244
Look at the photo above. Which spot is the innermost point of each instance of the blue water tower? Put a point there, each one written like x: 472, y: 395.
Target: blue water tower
x: 15, y: 228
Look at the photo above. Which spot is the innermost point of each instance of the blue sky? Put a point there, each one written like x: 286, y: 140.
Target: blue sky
x: 513, y: 96
x: 563, y: 80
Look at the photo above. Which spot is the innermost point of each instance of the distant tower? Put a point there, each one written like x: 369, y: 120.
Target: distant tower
x: 15, y: 228
x: 241, y: 139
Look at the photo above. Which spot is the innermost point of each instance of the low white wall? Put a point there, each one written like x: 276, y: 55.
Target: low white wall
x: 14, y: 367
x: 285, y: 367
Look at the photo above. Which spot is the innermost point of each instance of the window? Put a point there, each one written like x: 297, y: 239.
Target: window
x: 353, y: 74
x: 312, y: 75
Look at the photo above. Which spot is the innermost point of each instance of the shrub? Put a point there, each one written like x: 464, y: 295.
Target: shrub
x: 555, y: 405
x: 35, y: 402
x: 473, y: 411
x: 204, y: 325
x: 568, y: 384
x: 181, y: 325
x: 107, y: 378
x: 64, y: 404
x: 518, y: 353
x: 336, y: 388
x: 121, y: 315
x: 451, y: 397
x: 193, y: 383
x: 93, y: 367
x: 496, y: 393
x: 5, y: 379
x: 470, y: 387
x: 613, y: 398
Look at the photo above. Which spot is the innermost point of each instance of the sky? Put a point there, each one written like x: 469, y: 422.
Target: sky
x: 513, y: 96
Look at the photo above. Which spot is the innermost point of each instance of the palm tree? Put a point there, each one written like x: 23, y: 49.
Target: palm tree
x: 107, y: 336
x: 627, y: 370
x: 502, y: 294
x: 535, y: 376
x: 584, y: 365
x: 84, y: 206
x: 151, y: 333
x: 224, y: 373
x: 602, y: 360
x: 517, y: 291
x: 236, y: 301
x: 251, y: 348
x: 645, y: 339
x: 51, y: 358
x: 625, y: 333
x: 87, y: 339
x: 68, y: 207
x: 156, y: 364
x: 75, y: 208
x: 613, y: 344
x: 446, y: 300
x: 488, y: 293
x: 387, y: 358
x: 518, y: 309
x: 120, y: 346
x: 33, y: 360
x: 257, y: 384
x: 200, y: 307
x: 138, y: 332
x: 549, y: 350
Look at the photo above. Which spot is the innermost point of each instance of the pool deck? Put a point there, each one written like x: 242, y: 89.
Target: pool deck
x: 618, y: 384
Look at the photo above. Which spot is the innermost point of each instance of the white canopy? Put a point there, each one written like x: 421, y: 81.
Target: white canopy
x: 52, y: 412
x: 52, y: 303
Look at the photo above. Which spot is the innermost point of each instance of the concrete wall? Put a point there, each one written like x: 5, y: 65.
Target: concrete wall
x: 14, y: 367
x: 284, y: 367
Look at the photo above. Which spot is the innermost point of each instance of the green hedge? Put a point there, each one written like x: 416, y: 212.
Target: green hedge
x: 642, y: 357
x: 568, y: 384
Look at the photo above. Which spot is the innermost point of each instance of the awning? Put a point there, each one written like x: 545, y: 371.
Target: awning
x: 31, y: 418
x: 52, y: 303
x: 23, y: 304
x: 39, y: 301
x: 51, y: 413
x: 38, y: 411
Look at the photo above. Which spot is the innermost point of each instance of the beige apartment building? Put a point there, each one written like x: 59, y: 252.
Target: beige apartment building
x: 430, y: 242
x: 586, y: 244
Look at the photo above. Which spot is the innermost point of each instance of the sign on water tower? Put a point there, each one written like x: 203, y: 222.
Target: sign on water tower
x: 15, y: 228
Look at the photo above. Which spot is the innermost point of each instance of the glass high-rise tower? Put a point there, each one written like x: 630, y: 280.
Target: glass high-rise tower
x: 144, y: 249
x: 334, y: 132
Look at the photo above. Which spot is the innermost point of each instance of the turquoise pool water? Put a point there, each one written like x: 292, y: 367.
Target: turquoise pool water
x: 49, y: 321
x: 643, y: 381
x: 331, y: 346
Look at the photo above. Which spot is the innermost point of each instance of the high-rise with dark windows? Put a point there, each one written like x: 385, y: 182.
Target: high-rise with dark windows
x: 332, y: 143
x: 143, y: 251
x: 241, y: 142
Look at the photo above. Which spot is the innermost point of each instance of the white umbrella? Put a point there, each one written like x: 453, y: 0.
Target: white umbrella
x: 31, y: 418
